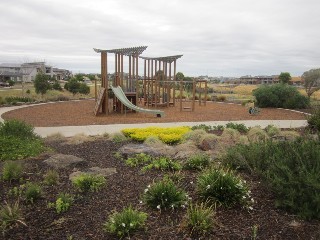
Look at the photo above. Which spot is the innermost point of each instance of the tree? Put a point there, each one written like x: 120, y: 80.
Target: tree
x: 284, y: 77
x: 41, y: 83
x: 179, y: 76
x: 74, y: 86
x: 311, y: 81
x: 56, y: 86
x: 84, y: 89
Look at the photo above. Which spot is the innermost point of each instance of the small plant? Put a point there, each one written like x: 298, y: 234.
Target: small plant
x: 164, y: 195
x: 314, y: 119
x: 118, y: 138
x: 17, y: 128
x: 218, y: 128
x: 221, y: 98
x: 125, y: 222
x: 240, y: 127
x: 197, y: 162
x: 51, y: 177
x: 205, y: 127
x: 224, y: 187
x: 200, y: 218
x: 194, y: 136
x: 138, y: 159
x: 163, y: 163
x: 63, y: 203
x: 10, y: 214
x: 256, y: 134
x: 32, y: 192
x: 11, y: 171
x: 88, y: 182
x: 272, y: 130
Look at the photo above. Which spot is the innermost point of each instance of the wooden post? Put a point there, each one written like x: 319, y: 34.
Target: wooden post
x: 175, y: 79
x: 104, y: 80
x: 205, y: 92
x: 170, y: 85
x: 200, y: 94
x: 181, y: 88
x: 129, y: 80
x: 137, y: 78
x: 115, y: 69
x: 193, y: 95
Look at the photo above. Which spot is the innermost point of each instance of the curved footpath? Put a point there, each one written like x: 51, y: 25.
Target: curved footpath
x: 69, y: 131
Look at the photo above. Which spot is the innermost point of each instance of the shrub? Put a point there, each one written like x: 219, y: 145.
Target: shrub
x: 204, y: 127
x: 224, y: 187
x: 280, y: 96
x: 237, y: 126
x: 195, y: 136
x: 56, y: 86
x: 51, y: 177
x: 32, y: 192
x: 163, y: 163
x: 221, y: 98
x: 197, y: 162
x: 63, y: 202
x: 256, y: 134
x: 18, y: 99
x: 11, y: 171
x: 125, y: 222
x: 153, y: 141
x: 200, y: 218
x: 10, y: 214
x: 118, y: 138
x: 17, y: 128
x: 88, y: 182
x: 290, y: 168
x: 231, y: 134
x: 272, y: 130
x: 170, y: 135
x: 314, y: 119
x: 164, y: 195
x: 138, y: 159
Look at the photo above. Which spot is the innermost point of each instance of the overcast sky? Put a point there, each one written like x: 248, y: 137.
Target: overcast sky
x: 216, y: 37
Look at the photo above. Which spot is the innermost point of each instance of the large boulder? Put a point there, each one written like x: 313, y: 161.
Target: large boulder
x: 65, y: 161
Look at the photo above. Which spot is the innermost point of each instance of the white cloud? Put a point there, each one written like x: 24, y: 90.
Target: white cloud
x: 228, y: 37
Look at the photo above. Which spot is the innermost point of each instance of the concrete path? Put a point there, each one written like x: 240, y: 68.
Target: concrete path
x: 69, y: 131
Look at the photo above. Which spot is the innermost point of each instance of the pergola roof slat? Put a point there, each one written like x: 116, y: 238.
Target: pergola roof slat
x: 169, y: 59
x: 133, y: 51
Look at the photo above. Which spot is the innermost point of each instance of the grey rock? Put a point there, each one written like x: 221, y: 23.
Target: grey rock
x: 64, y: 161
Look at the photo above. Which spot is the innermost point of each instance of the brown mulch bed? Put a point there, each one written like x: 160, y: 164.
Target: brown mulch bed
x: 86, y: 216
x: 77, y: 113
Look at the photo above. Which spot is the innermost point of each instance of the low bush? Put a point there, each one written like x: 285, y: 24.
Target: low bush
x: 13, y: 100
x: 314, y: 119
x: 231, y: 134
x: 197, y: 162
x: 256, y: 134
x: 272, y: 130
x: 17, y: 128
x: 170, y: 135
x: 88, y: 182
x: 12, y: 171
x: 291, y: 169
x: 32, y: 192
x: 224, y: 187
x: 200, y: 218
x: 238, y: 126
x: 125, y: 222
x: 163, y: 163
x: 51, y: 177
x: 118, y: 138
x: 138, y: 160
x: 221, y: 98
x: 164, y: 194
x: 63, y: 203
x: 280, y: 96
x: 205, y: 127
x: 194, y: 136
x: 10, y: 214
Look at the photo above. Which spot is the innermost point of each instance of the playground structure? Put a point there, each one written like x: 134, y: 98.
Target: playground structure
x: 157, y: 88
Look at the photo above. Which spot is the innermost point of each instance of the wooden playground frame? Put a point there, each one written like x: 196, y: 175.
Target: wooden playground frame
x: 152, y: 84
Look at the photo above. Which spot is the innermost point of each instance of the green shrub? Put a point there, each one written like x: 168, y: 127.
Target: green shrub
x: 280, y: 96
x: 290, y: 168
x: 12, y: 171
x: 125, y: 222
x: 231, y: 134
x: 221, y: 98
x: 88, y: 182
x: 153, y: 141
x: 63, y: 202
x: 256, y: 134
x: 205, y: 127
x: 197, y: 162
x: 51, y: 177
x: 13, y: 148
x: 18, y: 99
x: 32, y: 192
x: 200, y: 218
x: 164, y: 194
x: 237, y: 126
x: 17, y: 128
x: 314, y: 119
x: 138, y: 160
x: 194, y: 136
x: 163, y: 163
x: 118, y: 138
x: 224, y: 187
x: 272, y: 130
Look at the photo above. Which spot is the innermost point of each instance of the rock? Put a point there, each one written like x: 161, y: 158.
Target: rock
x: 64, y: 161
x: 133, y: 149
x: 208, y: 144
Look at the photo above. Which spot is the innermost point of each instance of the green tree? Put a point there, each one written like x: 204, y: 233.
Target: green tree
x: 73, y: 86
x: 41, y: 83
x: 79, y: 77
x: 56, y: 86
x: 311, y: 81
x: 179, y: 76
x: 84, y: 89
x: 284, y: 77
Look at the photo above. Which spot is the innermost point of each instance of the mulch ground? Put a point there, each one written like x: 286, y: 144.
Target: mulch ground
x: 77, y: 113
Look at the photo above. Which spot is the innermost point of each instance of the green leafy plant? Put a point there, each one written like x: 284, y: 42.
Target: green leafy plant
x: 314, y: 119
x: 125, y: 222
x: 118, y: 138
x: 88, y: 182
x: 224, y: 187
x: 18, y: 99
x: 164, y: 194
x: 290, y: 168
x: 200, y: 218
x: 51, y: 177
x: 205, y: 127
x: 12, y: 171
x: 138, y: 160
x: 163, y: 163
x: 10, y: 214
x: 32, y: 192
x: 63, y: 202
x: 197, y: 162
x: 17, y: 128
x: 238, y: 126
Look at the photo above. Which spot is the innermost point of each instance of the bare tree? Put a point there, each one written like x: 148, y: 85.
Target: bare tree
x: 311, y: 81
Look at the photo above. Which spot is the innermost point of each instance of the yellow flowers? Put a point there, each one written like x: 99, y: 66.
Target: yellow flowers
x: 169, y: 135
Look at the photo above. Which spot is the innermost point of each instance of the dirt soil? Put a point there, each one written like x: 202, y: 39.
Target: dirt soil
x: 77, y: 113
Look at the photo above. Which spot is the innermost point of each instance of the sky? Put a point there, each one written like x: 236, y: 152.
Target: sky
x: 216, y: 37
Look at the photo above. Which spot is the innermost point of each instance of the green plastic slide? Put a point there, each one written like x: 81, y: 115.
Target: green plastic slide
x: 118, y: 92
